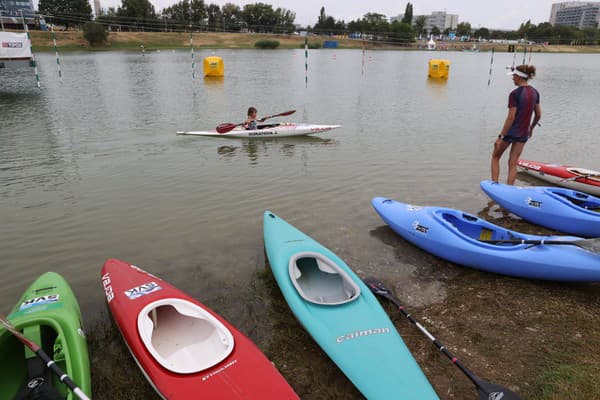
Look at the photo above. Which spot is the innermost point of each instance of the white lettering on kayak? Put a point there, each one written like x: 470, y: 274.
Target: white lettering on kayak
x: 142, y: 290
x: 38, y: 301
x: 218, y: 371
x: 108, y: 290
x: 357, y: 334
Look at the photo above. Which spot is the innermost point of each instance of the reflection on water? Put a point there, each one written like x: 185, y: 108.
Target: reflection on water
x: 268, y: 147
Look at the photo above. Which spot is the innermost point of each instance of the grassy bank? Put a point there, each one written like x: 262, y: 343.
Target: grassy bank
x: 73, y: 40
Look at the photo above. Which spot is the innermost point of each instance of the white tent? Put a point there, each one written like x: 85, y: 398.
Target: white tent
x: 431, y: 44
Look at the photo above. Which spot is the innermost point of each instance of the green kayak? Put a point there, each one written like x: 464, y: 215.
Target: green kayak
x: 48, y: 314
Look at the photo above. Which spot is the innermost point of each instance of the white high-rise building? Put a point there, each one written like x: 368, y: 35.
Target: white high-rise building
x: 581, y: 14
x: 440, y: 19
x: 97, y: 8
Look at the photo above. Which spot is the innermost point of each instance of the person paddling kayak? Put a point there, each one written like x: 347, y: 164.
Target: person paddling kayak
x: 523, y: 102
x: 251, y: 121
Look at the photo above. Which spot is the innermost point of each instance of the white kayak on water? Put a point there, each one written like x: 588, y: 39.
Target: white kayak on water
x: 270, y: 130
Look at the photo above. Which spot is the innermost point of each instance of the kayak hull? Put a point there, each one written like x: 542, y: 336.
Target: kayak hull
x: 557, y: 173
x: 241, y: 374
x: 49, y: 315
x: 280, y: 130
x: 457, y: 236
x: 355, y: 333
x: 565, y: 210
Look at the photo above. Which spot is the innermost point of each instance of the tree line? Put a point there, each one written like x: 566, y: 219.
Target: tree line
x: 261, y: 17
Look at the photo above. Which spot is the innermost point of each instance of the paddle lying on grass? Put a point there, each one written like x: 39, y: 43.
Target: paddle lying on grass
x: 228, y: 126
x: 486, y: 390
x: 574, y: 178
x: 64, y: 378
x: 592, y: 245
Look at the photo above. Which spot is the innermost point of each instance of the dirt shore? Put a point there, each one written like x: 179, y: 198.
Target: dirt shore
x: 539, y: 339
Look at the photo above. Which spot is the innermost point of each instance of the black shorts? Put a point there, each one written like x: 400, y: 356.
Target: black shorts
x: 512, y: 139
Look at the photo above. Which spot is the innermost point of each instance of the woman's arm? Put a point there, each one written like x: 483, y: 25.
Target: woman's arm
x: 537, y: 116
x: 510, y: 118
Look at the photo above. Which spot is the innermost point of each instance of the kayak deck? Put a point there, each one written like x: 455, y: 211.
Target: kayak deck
x: 271, y: 130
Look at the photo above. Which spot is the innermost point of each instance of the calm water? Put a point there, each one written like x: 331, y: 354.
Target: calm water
x: 92, y: 169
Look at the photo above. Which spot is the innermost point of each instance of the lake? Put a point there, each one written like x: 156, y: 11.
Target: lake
x: 91, y: 168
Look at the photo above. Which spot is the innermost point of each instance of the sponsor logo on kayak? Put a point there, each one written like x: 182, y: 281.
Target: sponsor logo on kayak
x: 12, y: 45
x: 534, y: 203
x: 419, y: 228
x: 40, y: 300
x: 413, y: 208
x: 496, y: 396
x: 142, y: 290
x: 357, y: 334
x: 265, y: 133
x: 229, y: 364
x: 108, y: 290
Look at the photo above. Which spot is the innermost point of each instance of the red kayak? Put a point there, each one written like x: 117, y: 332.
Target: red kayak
x: 186, y: 350
x: 582, y: 179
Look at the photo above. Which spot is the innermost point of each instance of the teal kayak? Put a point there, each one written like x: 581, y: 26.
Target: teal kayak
x: 47, y: 314
x: 342, y: 315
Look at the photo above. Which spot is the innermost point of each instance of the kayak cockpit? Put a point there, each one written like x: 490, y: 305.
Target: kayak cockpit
x: 320, y: 280
x: 183, y: 337
x: 577, y: 199
x: 476, y: 229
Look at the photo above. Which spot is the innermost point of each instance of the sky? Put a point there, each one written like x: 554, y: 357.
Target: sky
x: 491, y: 14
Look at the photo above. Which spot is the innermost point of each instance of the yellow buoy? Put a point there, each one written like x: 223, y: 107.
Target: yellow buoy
x: 439, y: 68
x: 213, y: 66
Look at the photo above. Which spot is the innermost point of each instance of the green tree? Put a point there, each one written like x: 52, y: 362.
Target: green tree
x: 401, y: 32
x: 435, y: 31
x: 285, y: 20
x: 463, y: 29
x: 65, y: 11
x: 185, y: 12
x: 325, y: 24
x: 138, y: 12
x: 420, y: 24
x: 408, y: 14
x: 259, y: 17
x: 482, y: 33
x: 215, y: 17
x: 232, y: 17
x: 94, y: 33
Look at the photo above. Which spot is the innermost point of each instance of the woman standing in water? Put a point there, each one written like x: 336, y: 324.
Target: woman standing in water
x: 523, y: 102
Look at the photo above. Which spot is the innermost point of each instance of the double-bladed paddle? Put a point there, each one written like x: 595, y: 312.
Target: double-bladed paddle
x: 486, y: 390
x: 228, y: 126
x: 592, y: 245
x: 574, y: 178
x: 64, y: 378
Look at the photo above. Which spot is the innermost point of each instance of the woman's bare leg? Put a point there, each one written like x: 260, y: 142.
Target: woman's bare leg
x: 499, y: 147
x: 513, y: 160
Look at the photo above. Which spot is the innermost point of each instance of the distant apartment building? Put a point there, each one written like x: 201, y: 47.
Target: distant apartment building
x: 580, y: 14
x: 97, y: 8
x: 13, y: 8
x: 440, y: 19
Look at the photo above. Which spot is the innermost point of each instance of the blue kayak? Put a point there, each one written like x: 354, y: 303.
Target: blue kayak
x: 467, y: 240
x: 565, y: 210
x: 342, y: 315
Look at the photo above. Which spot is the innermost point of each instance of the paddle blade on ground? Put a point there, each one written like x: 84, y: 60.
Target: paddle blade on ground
x: 485, y: 390
x: 490, y: 391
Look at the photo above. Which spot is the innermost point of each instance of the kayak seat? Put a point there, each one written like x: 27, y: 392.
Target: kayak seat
x: 469, y: 226
x: 321, y: 281
x: 183, y: 337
